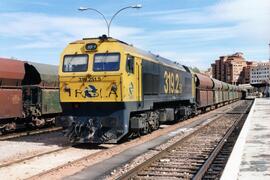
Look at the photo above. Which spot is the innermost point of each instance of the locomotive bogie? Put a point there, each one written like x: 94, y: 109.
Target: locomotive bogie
x: 144, y: 123
x: 96, y: 122
x: 167, y: 115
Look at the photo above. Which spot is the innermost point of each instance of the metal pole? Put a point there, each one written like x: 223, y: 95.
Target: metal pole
x: 269, y: 52
x: 109, y: 23
x: 103, y: 16
x: 115, y: 16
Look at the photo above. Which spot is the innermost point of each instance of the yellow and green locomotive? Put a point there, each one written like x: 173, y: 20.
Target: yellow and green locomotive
x: 109, y: 89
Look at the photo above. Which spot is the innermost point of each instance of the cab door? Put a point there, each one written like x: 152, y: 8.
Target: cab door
x: 138, y: 74
x: 132, y: 81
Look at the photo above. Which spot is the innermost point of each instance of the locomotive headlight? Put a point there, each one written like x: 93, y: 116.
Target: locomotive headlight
x: 90, y: 47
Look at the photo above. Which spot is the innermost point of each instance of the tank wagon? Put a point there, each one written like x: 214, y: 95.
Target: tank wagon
x: 109, y: 89
x: 29, y: 94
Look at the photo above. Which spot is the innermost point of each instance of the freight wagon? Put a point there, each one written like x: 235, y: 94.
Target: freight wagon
x: 29, y: 94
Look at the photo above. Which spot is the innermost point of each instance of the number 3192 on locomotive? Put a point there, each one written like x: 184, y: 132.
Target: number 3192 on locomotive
x: 172, y: 83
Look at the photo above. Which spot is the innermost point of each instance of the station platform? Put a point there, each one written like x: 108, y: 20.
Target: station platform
x: 250, y: 158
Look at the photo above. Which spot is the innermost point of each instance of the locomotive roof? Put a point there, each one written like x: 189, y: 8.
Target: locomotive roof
x: 146, y: 54
x: 159, y: 59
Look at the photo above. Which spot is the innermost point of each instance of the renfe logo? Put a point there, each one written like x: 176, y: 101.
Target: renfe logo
x: 131, y: 88
x: 91, y: 91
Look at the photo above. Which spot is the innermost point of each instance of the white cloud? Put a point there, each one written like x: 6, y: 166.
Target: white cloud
x: 250, y: 18
x: 44, y: 31
x: 196, y: 59
x: 242, y: 9
x: 200, y: 34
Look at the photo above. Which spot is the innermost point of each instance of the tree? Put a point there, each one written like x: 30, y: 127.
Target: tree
x: 195, y: 69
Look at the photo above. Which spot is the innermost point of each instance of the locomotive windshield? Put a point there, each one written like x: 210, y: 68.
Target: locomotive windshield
x: 75, y: 63
x: 106, y: 62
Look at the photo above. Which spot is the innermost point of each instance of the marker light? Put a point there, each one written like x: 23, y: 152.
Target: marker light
x: 91, y: 47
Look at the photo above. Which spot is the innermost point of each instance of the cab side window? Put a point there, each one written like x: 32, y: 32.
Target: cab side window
x: 130, y: 64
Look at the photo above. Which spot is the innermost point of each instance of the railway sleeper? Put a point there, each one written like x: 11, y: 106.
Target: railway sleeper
x: 164, y: 174
x: 189, y: 169
x: 175, y: 164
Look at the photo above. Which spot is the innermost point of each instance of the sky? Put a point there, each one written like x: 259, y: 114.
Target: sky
x: 191, y: 32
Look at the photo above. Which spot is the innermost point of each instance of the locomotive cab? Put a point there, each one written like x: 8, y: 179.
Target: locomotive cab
x: 103, y: 75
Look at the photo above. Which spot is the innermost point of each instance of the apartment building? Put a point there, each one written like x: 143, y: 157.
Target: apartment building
x: 260, y: 74
x: 247, y: 71
x: 230, y: 68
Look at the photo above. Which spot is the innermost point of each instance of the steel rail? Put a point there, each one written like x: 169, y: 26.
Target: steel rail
x: 32, y: 157
x: 28, y: 133
x: 215, y: 152
x: 37, y: 176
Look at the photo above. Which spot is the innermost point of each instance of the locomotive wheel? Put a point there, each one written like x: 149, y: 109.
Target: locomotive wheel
x: 157, y: 124
x: 147, y: 128
x: 153, y: 120
x: 39, y: 122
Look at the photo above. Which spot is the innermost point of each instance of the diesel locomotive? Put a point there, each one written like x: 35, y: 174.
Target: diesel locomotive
x: 109, y: 89
x: 29, y: 94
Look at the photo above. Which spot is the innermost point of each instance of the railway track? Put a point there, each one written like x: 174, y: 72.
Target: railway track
x: 25, y: 135
x: 29, y: 132
x: 34, y: 156
x: 200, y: 155
x: 215, y: 170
